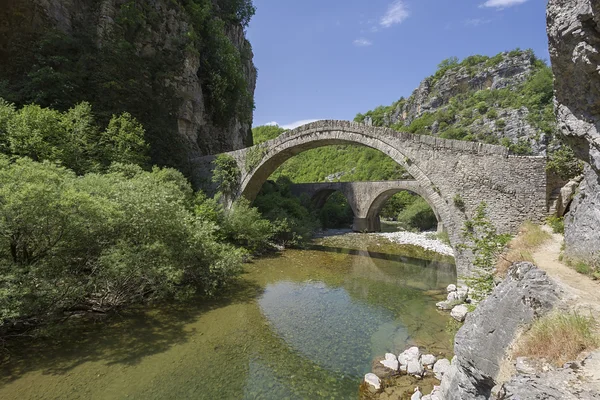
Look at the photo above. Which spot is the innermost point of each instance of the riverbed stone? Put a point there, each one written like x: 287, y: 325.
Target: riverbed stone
x: 428, y: 360
x: 440, y: 367
x: 445, y: 305
x: 390, y: 362
x: 415, y: 368
x: 417, y: 395
x: 459, y: 312
x: 373, y: 380
x: 384, y: 368
x: 451, y: 288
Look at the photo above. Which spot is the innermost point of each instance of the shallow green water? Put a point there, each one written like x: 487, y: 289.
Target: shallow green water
x: 302, y: 325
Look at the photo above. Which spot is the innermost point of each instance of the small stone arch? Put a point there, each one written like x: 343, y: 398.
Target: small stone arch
x: 379, y: 202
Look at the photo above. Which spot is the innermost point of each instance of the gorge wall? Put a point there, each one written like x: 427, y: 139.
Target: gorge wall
x: 574, y: 36
x: 161, y: 61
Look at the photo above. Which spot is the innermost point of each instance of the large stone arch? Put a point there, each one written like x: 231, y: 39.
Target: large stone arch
x: 513, y: 187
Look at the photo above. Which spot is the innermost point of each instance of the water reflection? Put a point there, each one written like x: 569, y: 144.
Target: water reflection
x: 303, y: 325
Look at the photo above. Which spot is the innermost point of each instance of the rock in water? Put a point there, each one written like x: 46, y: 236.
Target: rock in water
x: 459, y: 312
x: 373, y: 380
x: 440, y: 368
x: 428, y: 360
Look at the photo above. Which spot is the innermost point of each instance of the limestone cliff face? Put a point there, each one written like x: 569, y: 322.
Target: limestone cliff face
x: 574, y: 37
x: 178, y: 86
x: 459, y: 82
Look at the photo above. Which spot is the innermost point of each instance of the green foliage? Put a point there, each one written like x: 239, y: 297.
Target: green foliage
x: 124, y: 140
x: 557, y: 224
x: 396, y: 204
x: 293, y: 219
x: 244, y: 226
x: 226, y: 174
x: 92, y: 242
x: 459, y: 202
x: 417, y: 216
x: 356, y: 163
x: 263, y: 133
x: 72, y: 137
x: 563, y: 163
x: 336, y: 213
x: 486, y: 245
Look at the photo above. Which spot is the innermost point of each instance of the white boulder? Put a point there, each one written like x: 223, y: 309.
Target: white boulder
x: 373, y: 380
x: 451, y: 288
x: 428, y: 360
x: 440, y: 368
x: 459, y: 312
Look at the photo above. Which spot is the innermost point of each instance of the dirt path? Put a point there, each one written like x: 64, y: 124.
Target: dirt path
x: 583, y: 292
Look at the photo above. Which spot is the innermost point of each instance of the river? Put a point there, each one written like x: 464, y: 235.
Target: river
x: 304, y: 324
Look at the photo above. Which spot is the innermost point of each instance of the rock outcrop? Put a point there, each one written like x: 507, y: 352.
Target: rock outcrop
x: 481, y: 344
x: 574, y: 37
x: 575, y: 381
x: 165, y: 82
x: 508, y: 124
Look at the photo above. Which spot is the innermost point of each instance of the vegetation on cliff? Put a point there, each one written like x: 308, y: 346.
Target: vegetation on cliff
x: 128, y: 67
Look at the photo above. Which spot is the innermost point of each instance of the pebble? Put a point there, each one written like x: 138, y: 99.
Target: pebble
x: 418, y: 239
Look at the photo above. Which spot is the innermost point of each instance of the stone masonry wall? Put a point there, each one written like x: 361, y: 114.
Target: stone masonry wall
x: 514, y: 188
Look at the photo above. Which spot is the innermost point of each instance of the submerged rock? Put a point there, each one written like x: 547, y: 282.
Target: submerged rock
x: 428, y: 360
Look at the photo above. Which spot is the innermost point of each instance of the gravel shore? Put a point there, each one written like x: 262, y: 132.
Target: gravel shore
x: 418, y: 239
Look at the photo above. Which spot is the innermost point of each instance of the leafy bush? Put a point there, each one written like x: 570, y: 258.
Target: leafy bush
x: 244, y: 226
x: 263, y: 133
x: 336, y: 213
x: 557, y: 224
x: 417, y: 216
x: 72, y: 138
x: 486, y: 244
x: 226, y: 174
x: 563, y: 163
x: 293, y: 219
x: 396, y: 204
x: 92, y: 242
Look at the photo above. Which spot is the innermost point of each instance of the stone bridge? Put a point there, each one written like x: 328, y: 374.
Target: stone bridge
x: 453, y: 176
x: 365, y: 198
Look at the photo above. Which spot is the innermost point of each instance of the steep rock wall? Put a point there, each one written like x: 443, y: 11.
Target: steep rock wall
x: 574, y: 37
x: 135, y: 56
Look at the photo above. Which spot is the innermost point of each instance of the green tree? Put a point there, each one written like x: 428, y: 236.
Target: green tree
x: 123, y: 141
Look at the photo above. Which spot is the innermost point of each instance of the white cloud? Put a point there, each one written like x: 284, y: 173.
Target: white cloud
x: 362, y: 42
x: 396, y: 13
x: 296, y: 124
x: 272, y: 123
x: 500, y: 4
x: 477, y: 22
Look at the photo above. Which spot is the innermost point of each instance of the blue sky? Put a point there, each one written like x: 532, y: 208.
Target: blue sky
x: 331, y: 59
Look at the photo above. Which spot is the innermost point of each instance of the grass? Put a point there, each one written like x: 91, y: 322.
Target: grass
x: 589, y: 268
x: 530, y: 237
x: 559, y: 338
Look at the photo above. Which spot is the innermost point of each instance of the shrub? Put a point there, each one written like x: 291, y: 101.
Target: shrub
x: 226, y: 174
x: 244, y: 226
x: 559, y: 338
x: 102, y: 241
x: 557, y: 224
x: 417, y: 216
x: 459, y: 202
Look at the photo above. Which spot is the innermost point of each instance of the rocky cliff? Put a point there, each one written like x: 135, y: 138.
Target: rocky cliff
x: 505, y: 99
x: 183, y: 68
x: 574, y: 37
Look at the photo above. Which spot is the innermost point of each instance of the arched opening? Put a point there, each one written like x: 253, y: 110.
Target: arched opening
x: 334, y: 211
x: 404, y: 210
